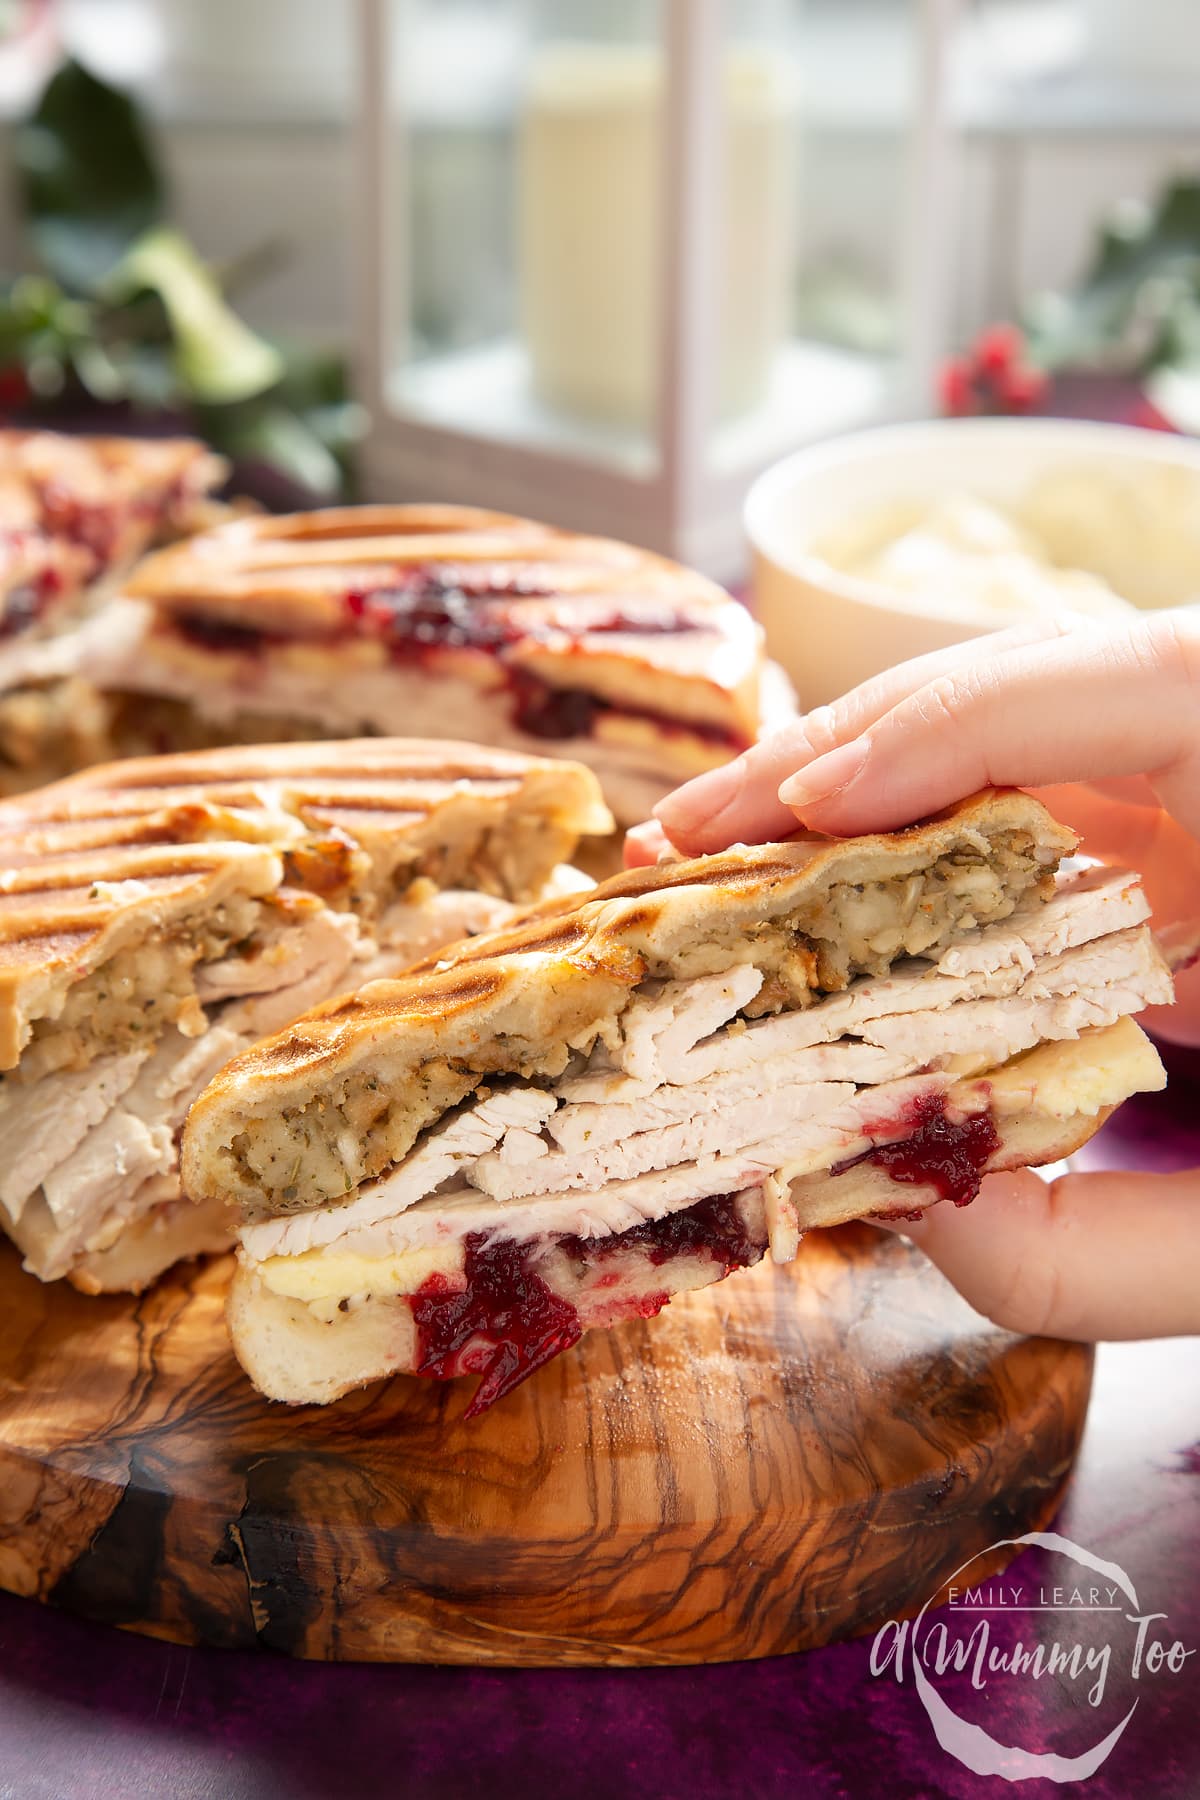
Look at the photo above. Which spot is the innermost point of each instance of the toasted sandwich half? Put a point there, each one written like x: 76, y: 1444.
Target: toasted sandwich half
x: 75, y: 513
x: 156, y: 917
x: 445, y: 621
x: 632, y: 1094
x: 112, y: 497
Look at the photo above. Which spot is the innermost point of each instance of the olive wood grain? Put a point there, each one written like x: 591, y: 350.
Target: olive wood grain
x: 791, y: 1456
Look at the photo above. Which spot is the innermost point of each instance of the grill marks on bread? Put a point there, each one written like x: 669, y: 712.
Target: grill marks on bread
x: 290, y: 575
x: 147, y: 848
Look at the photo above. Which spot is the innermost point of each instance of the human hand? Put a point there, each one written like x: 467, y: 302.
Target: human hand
x: 1108, y: 718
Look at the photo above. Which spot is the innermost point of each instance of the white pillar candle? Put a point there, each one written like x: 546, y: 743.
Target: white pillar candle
x: 590, y: 232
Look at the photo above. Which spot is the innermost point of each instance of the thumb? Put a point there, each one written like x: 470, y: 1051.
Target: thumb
x: 1089, y: 1256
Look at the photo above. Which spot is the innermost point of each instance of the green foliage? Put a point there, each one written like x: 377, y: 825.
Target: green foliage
x: 217, y: 357
x: 126, y: 310
x: 1136, y: 309
x: 88, y: 182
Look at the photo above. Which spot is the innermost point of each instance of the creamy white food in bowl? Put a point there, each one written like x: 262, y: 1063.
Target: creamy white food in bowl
x: 875, y: 547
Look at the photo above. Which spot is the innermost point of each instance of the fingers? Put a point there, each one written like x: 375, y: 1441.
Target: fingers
x: 739, y: 802
x: 1085, y: 705
x: 644, y: 844
x: 1089, y: 1256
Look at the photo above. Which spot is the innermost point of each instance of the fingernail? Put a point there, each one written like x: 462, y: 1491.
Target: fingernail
x: 827, y: 776
x: 702, y: 799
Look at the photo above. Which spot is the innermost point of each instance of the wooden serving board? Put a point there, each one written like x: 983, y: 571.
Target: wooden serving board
x: 788, y: 1457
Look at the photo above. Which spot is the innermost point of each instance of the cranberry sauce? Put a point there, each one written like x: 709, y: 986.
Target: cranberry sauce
x: 507, y: 1321
x: 222, y: 634
x: 946, y: 1155
x: 425, y: 609
x: 711, y: 1227
x: 24, y: 605
x: 463, y: 608
x: 561, y: 712
x: 505, y: 1324
x: 653, y: 620
x: 552, y: 712
x: 94, y: 524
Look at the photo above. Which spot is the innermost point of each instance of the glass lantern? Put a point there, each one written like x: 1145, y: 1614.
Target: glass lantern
x: 619, y: 255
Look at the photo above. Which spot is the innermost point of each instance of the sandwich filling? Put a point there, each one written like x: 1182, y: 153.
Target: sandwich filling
x: 446, y: 657
x: 90, y: 1120
x: 725, y: 1105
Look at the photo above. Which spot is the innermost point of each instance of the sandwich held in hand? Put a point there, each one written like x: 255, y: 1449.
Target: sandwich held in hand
x: 633, y: 1093
x: 443, y: 621
x: 157, y: 917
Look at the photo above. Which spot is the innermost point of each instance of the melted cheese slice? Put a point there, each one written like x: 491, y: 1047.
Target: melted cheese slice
x: 1081, y: 1075
x: 333, y: 1274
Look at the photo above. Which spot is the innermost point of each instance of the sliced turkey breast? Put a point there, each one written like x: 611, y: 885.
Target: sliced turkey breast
x: 180, y: 1067
x: 1092, y: 985
x: 117, y: 1156
x: 325, y: 970
x: 94, y: 1177
x: 101, y: 1143
x: 283, y: 954
x: 104, y: 1148
x: 42, y: 1122
x: 159, y: 915
x: 415, y: 927
x: 1092, y: 903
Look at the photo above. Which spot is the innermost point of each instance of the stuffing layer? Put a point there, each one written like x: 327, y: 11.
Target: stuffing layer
x: 138, y: 992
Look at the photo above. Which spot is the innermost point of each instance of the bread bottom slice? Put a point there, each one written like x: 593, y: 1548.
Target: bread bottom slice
x: 311, y: 1328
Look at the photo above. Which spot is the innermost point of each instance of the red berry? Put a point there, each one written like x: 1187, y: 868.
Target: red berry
x: 955, y: 392
x: 14, y: 388
x: 997, y: 350
x: 1147, y: 415
x: 1021, y: 388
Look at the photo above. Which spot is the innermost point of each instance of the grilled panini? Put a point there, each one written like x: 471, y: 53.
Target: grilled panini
x: 446, y: 621
x: 156, y: 917
x: 630, y: 1095
x: 74, y: 513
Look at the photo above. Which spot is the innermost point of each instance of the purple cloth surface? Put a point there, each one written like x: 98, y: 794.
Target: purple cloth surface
x: 87, y: 1713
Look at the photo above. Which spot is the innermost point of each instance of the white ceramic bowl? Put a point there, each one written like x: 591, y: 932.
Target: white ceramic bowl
x: 831, y: 630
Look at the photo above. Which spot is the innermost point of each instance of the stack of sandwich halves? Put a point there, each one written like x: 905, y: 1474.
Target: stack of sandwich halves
x: 347, y: 1003
x: 562, y: 1121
